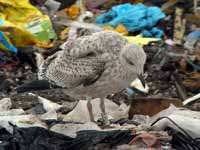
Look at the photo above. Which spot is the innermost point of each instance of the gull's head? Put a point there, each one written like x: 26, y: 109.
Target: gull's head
x: 133, y: 58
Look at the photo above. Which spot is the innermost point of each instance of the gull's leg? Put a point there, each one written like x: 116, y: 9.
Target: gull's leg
x: 89, y: 106
x: 103, y: 110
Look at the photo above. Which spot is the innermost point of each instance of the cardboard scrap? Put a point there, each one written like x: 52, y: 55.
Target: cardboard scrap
x: 179, y: 26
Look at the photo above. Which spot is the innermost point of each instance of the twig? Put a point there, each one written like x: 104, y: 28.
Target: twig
x: 179, y: 88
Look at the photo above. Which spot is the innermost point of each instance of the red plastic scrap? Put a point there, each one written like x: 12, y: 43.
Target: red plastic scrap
x: 148, y: 139
x: 13, y: 64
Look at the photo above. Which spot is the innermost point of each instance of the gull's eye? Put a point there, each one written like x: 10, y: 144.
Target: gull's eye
x: 90, y: 54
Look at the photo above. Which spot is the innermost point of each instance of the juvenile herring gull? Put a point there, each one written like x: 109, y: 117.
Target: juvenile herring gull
x: 95, y: 65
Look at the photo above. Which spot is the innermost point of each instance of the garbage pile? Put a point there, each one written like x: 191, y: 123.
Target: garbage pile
x: 114, y: 75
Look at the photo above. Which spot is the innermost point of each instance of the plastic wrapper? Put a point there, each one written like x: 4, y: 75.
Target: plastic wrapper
x: 22, y: 24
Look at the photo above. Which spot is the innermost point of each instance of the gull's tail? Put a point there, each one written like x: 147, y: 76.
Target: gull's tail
x: 34, y: 86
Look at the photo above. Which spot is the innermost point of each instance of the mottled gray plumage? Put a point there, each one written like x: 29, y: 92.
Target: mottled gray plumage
x: 69, y: 72
x: 104, y: 59
x: 98, y: 43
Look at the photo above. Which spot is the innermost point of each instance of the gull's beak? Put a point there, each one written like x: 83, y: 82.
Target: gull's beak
x: 139, y: 85
x: 141, y: 78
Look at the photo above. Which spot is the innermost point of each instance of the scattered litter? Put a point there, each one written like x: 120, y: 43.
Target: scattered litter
x: 21, y: 121
x: 51, y: 100
x: 179, y: 26
x: 45, y: 139
x: 86, y: 16
x: 5, y: 44
x: 92, y: 4
x: 120, y: 28
x: 71, y: 129
x: 50, y: 115
x: 158, y: 110
x: 191, y: 40
x: 170, y: 42
x: 168, y: 4
x: 192, y: 99
x: 81, y: 113
x: 52, y: 6
x: 48, y: 105
x: 33, y: 138
x: 73, y: 11
x: 23, y: 26
x: 143, y: 106
x: 194, y: 35
x: 150, y: 140
x: 5, y: 104
x: 184, y: 121
x: 141, y: 40
x: 42, y: 29
x: 192, y: 83
x: 12, y: 112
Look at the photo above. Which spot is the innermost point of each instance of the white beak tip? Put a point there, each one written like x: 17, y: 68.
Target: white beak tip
x: 137, y: 84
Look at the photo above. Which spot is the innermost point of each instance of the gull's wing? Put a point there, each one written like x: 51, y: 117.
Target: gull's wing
x: 96, y: 44
x: 69, y: 72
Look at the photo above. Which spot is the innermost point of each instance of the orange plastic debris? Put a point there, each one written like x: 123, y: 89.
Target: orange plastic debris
x: 45, y: 44
x: 138, y: 1
x: 73, y: 11
x: 192, y: 82
x: 120, y: 28
x: 107, y: 27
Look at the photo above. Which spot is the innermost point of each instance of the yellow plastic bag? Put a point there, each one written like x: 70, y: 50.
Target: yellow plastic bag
x: 23, y: 24
x: 141, y: 40
x: 17, y: 37
x: 18, y: 12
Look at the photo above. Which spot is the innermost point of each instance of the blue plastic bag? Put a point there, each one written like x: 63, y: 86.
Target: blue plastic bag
x: 154, y: 32
x: 134, y: 17
x: 194, y: 35
x: 4, y: 42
